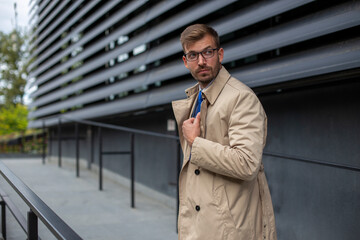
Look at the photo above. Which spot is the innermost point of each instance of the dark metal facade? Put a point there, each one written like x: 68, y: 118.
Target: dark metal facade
x: 98, y: 58
x: 120, y: 62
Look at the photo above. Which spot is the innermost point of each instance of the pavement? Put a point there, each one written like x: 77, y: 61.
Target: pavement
x: 93, y: 214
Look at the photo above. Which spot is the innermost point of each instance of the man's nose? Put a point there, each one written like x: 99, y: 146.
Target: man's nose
x: 201, y: 60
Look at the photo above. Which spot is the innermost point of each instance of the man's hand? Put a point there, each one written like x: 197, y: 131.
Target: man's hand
x: 191, y: 129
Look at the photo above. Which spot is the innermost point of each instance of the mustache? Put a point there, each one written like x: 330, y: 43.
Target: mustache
x: 203, y: 68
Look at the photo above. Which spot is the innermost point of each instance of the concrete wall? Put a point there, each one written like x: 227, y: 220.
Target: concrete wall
x: 314, y: 201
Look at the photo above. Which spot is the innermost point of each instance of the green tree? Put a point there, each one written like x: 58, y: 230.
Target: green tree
x: 13, y: 65
x: 13, y: 118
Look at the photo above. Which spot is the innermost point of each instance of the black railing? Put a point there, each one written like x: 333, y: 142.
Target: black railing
x: 38, y: 210
x: 312, y: 161
x: 130, y: 152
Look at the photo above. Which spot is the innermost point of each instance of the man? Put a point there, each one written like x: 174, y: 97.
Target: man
x: 222, y: 185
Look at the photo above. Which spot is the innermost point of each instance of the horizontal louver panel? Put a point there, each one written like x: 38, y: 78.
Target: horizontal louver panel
x: 157, y: 32
x: 333, y: 58
x: 337, y: 57
x: 43, y: 22
x: 70, y: 12
x: 138, y: 102
x: 100, y: 43
x: 278, y: 37
x: 89, y: 36
x: 261, y: 12
x: 42, y: 32
x: 130, y: 57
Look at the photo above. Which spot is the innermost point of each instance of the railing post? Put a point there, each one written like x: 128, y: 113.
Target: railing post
x: 50, y: 142
x: 77, y: 149
x: 132, y: 173
x: 100, y: 159
x: 3, y: 219
x: 44, y: 142
x: 59, y: 141
x: 178, y: 168
x: 91, y: 147
x: 32, y: 226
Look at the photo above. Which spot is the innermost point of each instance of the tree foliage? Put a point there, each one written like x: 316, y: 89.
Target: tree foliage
x: 13, y: 67
x: 13, y: 118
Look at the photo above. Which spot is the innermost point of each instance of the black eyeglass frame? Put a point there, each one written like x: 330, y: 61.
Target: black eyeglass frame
x: 198, y: 53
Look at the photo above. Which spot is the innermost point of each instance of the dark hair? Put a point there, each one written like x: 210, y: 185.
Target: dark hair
x: 196, y: 32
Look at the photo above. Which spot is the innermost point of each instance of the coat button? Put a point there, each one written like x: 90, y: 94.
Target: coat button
x: 197, y: 171
x: 197, y: 208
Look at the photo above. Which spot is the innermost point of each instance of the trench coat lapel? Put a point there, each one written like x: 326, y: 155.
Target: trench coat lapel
x: 214, y: 90
x: 182, y: 110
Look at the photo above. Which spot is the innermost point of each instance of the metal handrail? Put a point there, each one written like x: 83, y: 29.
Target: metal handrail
x: 126, y: 129
x: 38, y: 209
x: 132, y: 132
x: 312, y: 161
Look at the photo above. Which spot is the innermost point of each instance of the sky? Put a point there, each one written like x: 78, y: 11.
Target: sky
x: 7, y: 14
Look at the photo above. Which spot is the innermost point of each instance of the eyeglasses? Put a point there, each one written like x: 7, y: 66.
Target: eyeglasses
x: 194, y: 56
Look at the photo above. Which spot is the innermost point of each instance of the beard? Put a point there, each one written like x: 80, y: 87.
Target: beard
x: 205, y: 74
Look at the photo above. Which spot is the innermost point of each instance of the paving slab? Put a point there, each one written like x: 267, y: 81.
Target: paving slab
x: 93, y: 214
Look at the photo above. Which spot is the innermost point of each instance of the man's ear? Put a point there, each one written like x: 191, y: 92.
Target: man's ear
x: 185, y: 62
x: 221, y: 54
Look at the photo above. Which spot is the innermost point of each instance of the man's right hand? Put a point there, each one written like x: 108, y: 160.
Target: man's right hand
x: 191, y: 129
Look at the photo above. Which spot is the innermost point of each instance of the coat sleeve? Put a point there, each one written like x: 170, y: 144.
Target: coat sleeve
x: 247, y: 135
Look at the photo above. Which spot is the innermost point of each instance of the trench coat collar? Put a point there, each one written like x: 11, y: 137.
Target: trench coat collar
x: 212, y: 92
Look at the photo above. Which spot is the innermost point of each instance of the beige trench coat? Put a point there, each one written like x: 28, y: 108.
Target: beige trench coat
x: 223, y: 189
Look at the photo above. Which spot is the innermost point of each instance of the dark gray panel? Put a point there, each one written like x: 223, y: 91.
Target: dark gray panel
x: 319, y: 24
x: 322, y: 23
x: 139, y: 20
x: 50, y: 17
x: 333, y: 58
x: 41, y: 5
x: 338, y: 57
x: 152, y: 76
x: 235, y: 21
x: 102, y: 43
x: 166, y: 72
x: 159, y: 74
x: 65, y: 27
x: 53, y: 25
x: 169, y: 93
x: 254, y: 13
x: 131, y: 103
x: 92, y: 96
x: 172, y: 46
x: 122, y: 13
x: 91, y: 81
x: 163, y: 28
x: 313, y: 201
x: 34, y: 41
x: 316, y: 123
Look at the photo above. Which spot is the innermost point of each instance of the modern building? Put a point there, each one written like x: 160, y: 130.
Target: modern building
x: 120, y: 63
